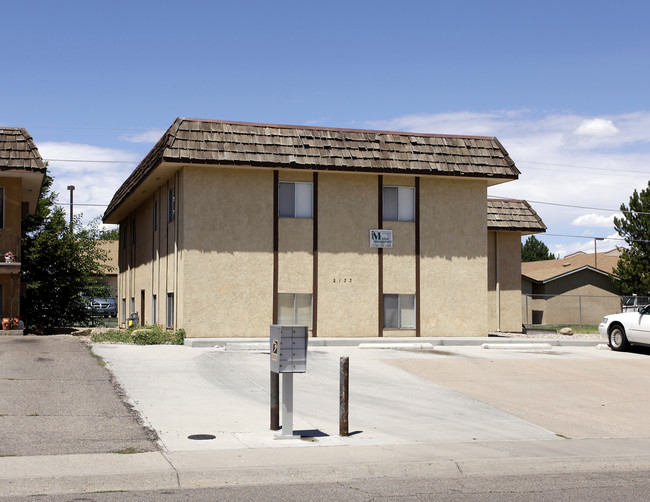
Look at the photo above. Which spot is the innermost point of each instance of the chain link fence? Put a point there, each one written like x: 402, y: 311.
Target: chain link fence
x: 575, y: 310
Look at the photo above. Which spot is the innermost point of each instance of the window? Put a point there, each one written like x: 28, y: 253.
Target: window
x: 399, y: 203
x: 295, y: 200
x: 2, y: 301
x: 132, y: 306
x: 123, y: 316
x: 154, y: 309
x: 2, y: 207
x: 294, y: 308
x: 133, y: 231
x: 399, y: 311
x: 171, y: 204
x: 155, y: 215
x: 170, y: 310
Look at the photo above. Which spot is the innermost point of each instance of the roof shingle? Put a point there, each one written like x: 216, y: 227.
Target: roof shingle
x: 301, y: 147
x: 18, y: 151
x: 513, y: 215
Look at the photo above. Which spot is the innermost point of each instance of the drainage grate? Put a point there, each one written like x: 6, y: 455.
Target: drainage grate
x: 201, y: 437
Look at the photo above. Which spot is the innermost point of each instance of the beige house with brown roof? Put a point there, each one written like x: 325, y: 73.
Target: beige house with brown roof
x: 575, y: 289
x: 21, y: 175
x: 228, y: 227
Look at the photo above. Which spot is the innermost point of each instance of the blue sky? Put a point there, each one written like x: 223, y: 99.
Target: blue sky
x: 563, y: 85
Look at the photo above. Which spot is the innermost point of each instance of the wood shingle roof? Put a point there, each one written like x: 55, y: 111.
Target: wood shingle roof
x: 311, y: 148
x: 18, y: 151
x: 513, y: 215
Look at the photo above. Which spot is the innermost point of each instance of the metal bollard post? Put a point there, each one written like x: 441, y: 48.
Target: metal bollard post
x: 343, y: 396
x: 275, y: 401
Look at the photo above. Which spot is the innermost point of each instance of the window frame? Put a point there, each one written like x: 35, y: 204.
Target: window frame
x: 398, y: 190
x: 171, y: 204
x: 169, y: 320
x: 2, y: 207
x: 282, y: 202
x: 400, y: 298
x: 155, y: 215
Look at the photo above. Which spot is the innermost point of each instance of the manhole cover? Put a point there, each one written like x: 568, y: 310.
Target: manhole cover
x: 201, y: 437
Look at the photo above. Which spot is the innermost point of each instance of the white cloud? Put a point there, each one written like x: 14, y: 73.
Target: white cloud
x: 597, y: 128
x: 595, y: 220
x: 149, y: 136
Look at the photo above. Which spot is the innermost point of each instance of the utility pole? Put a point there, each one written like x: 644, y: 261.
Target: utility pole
x: 71, y: 188
x: 596, y: 250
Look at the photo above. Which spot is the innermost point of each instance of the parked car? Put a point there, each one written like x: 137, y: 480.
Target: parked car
x: 632, y: 303
x: 106, y: 307
x: 628, y: 328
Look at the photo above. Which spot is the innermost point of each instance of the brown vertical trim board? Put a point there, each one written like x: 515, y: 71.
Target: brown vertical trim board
x: 380, y: 256
x: 417, y: 257
x: 314, y: 297
x: 276, y: 184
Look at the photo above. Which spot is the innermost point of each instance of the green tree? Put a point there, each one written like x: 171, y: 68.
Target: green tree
x: 634, y: 226
x: 112, y: 234
x: 60, y: 262
x: 535, y: 250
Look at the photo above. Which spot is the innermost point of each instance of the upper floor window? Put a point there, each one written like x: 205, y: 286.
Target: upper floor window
x: 155, y: 215
x: 171, y: 204
x: 399, y: 203
x: 295, y: 200
x: 2, y: 207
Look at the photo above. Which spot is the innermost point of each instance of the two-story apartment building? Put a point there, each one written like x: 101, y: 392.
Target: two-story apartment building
x: 228, y: 227
x: 21, y: 176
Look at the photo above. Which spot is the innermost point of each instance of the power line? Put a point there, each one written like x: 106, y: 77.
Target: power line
x: 95, y: 161
x: 569, y: 205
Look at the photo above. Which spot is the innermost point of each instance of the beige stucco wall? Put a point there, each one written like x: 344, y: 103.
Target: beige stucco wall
x: 222, y: 241
x: 348, y: 268
x: 453, y: 257
x: 228, y: 251
x: 504, y: 282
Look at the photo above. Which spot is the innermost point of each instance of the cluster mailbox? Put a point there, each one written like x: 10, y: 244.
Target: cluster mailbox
x: 288, y: 349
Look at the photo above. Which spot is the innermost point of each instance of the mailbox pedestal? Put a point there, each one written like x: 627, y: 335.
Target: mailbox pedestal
x: 288, y: 356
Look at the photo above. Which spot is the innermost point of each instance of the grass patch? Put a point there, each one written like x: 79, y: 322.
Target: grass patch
x: 146, y: 335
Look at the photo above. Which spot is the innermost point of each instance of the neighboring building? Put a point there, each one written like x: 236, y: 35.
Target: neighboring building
x: 577, y: 289
x: 21, y: 176
x: 111, y: 248
x: 228, y: 227
x: 507, y: 221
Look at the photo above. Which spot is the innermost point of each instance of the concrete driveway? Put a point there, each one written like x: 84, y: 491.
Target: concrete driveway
x: 446, y: 395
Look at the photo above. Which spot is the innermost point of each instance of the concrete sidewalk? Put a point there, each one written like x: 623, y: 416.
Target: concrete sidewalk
x: 439, y: 412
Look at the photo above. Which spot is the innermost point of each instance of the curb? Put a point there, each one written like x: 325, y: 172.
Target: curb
x: 262, y: 344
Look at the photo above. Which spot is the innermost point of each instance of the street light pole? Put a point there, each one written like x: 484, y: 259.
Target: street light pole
x: 71, y: 188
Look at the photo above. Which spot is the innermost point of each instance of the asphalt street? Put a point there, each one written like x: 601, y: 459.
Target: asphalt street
x: 56, y: 398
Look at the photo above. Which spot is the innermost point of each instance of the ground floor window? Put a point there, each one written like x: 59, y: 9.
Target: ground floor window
x: 170, y: 310
x: 123, y: 316
x: 295, y: 308
x: 399, y: 311
x: 154, y: 309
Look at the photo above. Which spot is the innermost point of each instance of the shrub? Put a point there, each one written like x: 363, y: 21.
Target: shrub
x: 146, y: 335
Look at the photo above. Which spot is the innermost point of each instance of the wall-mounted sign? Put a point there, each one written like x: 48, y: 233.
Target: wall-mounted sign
x: 381, y: 238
